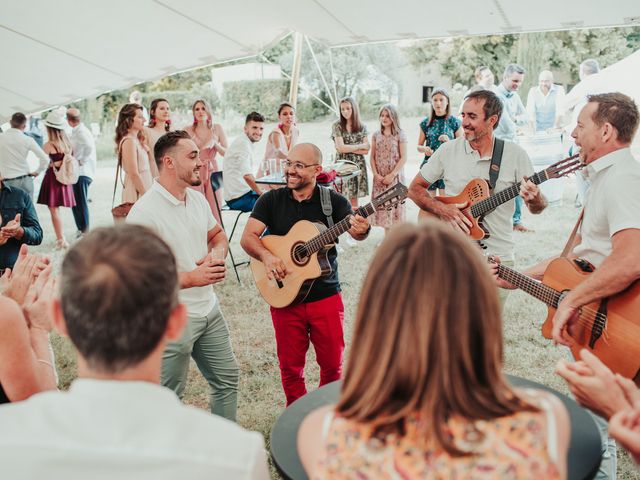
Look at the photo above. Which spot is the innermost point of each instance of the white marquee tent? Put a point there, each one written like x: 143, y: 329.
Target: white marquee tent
x: 56, y: 52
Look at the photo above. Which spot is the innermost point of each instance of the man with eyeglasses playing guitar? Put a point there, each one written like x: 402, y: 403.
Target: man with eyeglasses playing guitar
x: 600, y: 312
x: 319, y: 318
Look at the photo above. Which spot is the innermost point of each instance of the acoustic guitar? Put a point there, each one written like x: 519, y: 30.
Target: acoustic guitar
x: 479, y: 201
x: 610, y: 329
x: 304, y: 252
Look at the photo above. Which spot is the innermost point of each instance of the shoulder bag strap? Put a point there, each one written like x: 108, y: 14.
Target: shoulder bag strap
x: 567, y: 247
x: 115, y: 183
x: 325, y: 201
x: 496, y: 160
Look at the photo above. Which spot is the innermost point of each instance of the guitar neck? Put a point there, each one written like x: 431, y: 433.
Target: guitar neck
x: 503, y: 196
x: 534, y: 288
x: 331, y: 234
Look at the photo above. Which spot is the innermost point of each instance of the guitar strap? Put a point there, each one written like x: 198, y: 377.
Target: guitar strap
x: 496, y: 160
x: 567, y: 247
x: 325, y: 201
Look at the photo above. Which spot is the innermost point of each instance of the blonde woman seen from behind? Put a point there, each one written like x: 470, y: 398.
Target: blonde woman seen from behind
x: 132, y: 153
x: 424, y: 395
x: 54, y: 194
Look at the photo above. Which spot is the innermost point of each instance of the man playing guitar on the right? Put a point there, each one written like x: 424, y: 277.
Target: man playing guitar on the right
x: 609, y: 236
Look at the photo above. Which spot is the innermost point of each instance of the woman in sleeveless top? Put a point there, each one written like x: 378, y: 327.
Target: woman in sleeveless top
x: 424, y: 395
x: 282, y: 138
x: 54, y: 194
x: 352, y: 144
x: 211, y: 140
x: 439, y: 127
x: 132, y: 153
x: 159, y: 124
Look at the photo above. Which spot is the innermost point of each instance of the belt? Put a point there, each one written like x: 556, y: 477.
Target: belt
x: 18, y: 178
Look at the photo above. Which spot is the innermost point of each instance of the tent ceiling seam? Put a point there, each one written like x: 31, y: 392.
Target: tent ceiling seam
x: 336, y: 19
x: 503, y: 15
x: 64, y: 52
x: 203, y: 25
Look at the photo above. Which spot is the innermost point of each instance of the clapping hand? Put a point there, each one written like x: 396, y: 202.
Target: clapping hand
x: 26, y: 269
x: 12, y: 229
x: 37, y: 303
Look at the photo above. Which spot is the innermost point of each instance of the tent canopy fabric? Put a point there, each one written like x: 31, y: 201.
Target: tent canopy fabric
x: 57, y: 52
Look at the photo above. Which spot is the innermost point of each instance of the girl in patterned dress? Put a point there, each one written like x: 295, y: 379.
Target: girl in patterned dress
x: 388, y: 156
x: 437, y: 128
x: 352, y: 144
x: 424, y: 395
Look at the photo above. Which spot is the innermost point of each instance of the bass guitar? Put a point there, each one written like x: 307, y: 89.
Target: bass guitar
x: 479, y: 201
x: 610, y: 328
x: 304, y: 252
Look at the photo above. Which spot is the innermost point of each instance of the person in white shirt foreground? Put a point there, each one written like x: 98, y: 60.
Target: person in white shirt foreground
x: 119, y: 306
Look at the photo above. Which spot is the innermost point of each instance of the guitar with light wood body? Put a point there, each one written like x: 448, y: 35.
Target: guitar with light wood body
x: 304, y: 251
x: 610, y: 328
x: 477, y: 195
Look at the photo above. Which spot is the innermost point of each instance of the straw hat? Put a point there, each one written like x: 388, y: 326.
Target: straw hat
x: 56, y: 119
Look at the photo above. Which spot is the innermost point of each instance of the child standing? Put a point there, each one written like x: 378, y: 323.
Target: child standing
x: 388, y: 156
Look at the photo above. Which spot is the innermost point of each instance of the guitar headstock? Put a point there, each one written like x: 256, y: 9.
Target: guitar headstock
x: 391, y: 198
x: 564, y: 167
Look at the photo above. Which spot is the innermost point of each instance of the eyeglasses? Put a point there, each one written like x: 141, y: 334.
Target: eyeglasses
x: 298, y: 166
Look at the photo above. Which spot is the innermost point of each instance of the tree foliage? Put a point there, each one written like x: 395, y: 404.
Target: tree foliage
x: 563, y: 50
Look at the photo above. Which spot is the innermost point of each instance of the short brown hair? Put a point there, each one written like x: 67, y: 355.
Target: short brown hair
x: 619, y: 110
x: 166, y: 142
x: 492, y: 104
x: 18, y: 120
x: 118, y: 288
x: 437, y: 352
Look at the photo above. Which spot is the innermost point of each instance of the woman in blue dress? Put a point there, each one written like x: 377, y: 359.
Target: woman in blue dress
x: 439, y: 127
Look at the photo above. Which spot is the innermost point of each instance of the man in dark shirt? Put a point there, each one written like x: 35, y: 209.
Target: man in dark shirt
x: 320, y: 317
x: 19, y: 224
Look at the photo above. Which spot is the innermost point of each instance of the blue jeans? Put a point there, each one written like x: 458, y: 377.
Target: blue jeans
x: 206, y: 339
x: 81, y: 210
x: 517, y: 214
x: 244, y: 203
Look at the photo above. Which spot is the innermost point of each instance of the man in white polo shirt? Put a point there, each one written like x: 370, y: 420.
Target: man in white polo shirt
x: 240, y: 188
x: 469, y: 157
x: 182, y: 217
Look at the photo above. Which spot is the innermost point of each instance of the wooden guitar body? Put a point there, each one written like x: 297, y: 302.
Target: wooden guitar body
x: 615, y: 336
x: 475, y: 191
x: 296, y: 285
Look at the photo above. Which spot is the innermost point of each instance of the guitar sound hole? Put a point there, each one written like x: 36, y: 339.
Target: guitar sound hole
x: 300, y: 255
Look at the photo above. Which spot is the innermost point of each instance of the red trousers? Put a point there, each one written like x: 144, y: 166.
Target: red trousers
x: 321, y: 323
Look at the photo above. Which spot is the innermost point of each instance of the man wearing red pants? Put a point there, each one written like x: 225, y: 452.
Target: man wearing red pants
x: 320, y: 318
